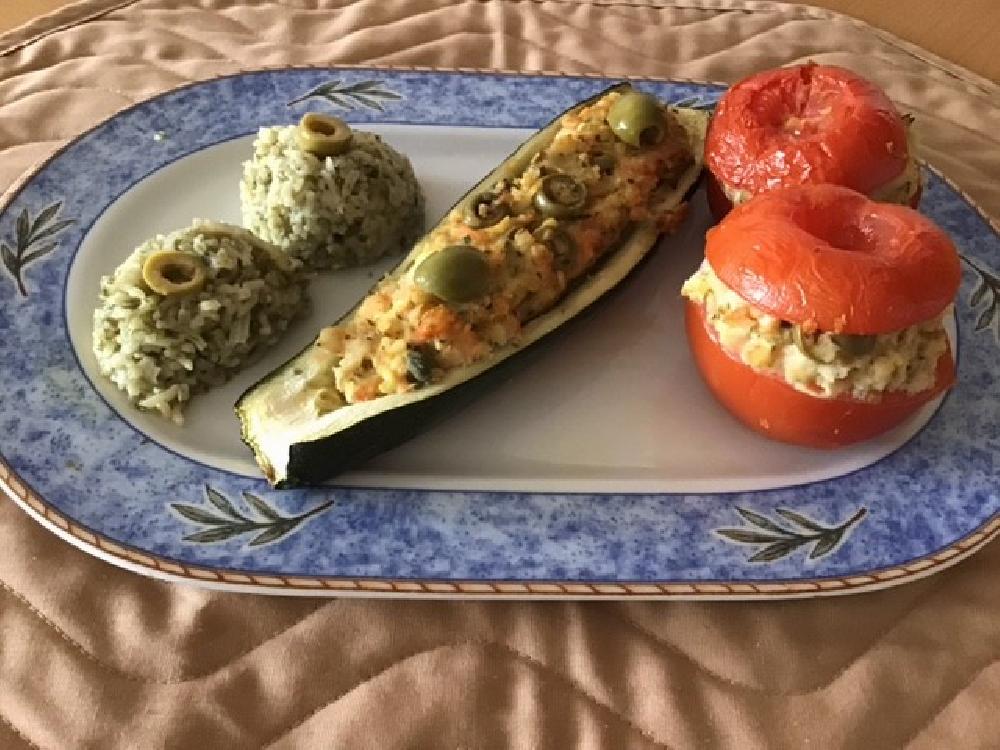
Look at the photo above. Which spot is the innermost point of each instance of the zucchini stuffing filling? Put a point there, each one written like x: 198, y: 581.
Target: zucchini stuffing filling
x: 507, y: 254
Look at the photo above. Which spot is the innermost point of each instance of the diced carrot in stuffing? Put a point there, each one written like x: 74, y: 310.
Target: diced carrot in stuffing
x: 438, y: 322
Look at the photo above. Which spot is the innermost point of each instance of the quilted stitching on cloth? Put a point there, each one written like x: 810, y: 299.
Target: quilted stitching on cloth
x: 96, y: 657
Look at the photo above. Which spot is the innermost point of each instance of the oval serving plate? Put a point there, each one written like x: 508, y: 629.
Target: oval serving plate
x: 602, y: 469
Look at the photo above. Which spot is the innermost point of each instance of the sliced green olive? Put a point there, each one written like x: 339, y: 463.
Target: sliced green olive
x: 420, y: 364
x: 806, y: 343
x: 323, y: 135
x: 484, y: 210
x: 457, y: 273
x: 854, y: 345
x: 560, y: 196
x: 510, y: 241
x: 849, y: 346
x: 637, y: 119
x: 512, y: 253
x: 510, y: 244
x: 171, y: 272
x: 560, y: 244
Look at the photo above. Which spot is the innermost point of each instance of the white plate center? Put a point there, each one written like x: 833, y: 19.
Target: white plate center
x: 615, y: 405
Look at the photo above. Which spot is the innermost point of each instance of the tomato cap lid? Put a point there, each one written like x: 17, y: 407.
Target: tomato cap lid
x: 807, y: 124
x: 829, y: 258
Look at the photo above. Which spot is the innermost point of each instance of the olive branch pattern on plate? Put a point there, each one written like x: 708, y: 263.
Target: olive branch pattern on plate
x: 779, y: 540
x: 224, y: 521
x: 989, y: 284
x: 706, y: 102
x: 371, y: 94
x: 29, y: 241
x: 782, y: 541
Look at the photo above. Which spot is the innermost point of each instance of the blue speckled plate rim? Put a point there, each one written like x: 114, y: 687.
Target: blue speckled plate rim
x: 164, y: 568
x: 125, y: 554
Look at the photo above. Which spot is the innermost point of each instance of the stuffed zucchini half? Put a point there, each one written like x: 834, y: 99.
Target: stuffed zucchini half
x: 550, y: 231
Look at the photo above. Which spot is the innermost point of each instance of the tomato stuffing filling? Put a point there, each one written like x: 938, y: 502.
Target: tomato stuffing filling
x: 821, y: 364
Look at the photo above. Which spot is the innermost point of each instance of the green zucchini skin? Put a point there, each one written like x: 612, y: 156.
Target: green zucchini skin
x: 313, y: 462
x: 314, y: 459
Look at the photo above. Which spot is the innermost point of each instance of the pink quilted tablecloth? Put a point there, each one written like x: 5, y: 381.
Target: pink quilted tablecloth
x: 94, y: 657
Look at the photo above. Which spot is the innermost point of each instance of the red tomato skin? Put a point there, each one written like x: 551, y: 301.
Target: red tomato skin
x: 719, y: 204
x: 770, y: 406
x: 806, y: 124
x: 828, y: 258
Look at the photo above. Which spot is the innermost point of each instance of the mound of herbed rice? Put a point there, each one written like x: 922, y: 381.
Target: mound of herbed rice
x: 335, y: 211
x: 160, y: 348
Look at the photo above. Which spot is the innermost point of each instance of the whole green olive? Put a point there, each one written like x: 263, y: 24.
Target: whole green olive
x: 637, y: 119
x: 457, y: 273
x: 323, y: 135
x: 560, y: 244
x: 560, y: 196
x: 854, y: 345
x: 484, y: 210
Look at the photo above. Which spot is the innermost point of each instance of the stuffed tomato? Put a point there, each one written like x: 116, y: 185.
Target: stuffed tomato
x: 808, y: 124
x: 817, y: 317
